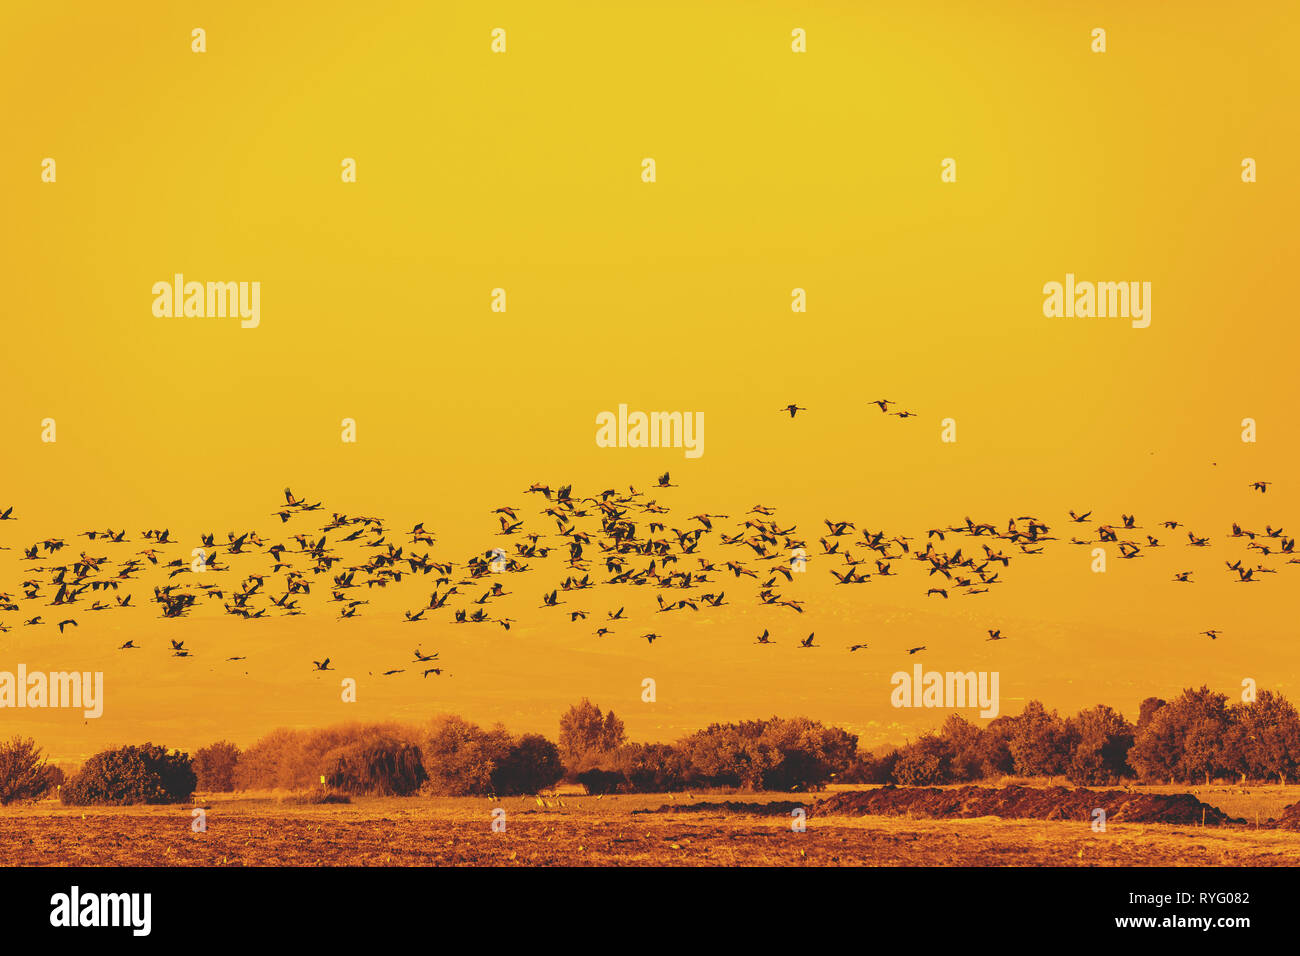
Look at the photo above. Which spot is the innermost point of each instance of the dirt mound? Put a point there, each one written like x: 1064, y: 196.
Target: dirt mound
x: 1034, y: 803
x: 777, y: 808
x: 1290, y: 818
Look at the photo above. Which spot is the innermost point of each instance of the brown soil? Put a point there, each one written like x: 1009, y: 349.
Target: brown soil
x: 1013, y: 802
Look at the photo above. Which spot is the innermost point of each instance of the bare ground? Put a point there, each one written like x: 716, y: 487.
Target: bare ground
x: 584, y: 831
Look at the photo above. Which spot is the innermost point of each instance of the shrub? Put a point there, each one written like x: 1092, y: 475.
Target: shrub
x: 214, y: 765
x: 143, y: 774
x: 870, y: 768
x: 602, y: 781
x: 313, y: 798
x: 652, y: 768
x: 532, y: 763
x: 24, y: 773
x: 296, y: 759
x: 382, y: 767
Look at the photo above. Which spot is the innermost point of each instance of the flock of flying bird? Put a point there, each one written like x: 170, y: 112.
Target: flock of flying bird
x: 613, y: 540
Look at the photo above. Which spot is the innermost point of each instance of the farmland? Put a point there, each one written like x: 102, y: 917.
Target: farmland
x: 573, y: 829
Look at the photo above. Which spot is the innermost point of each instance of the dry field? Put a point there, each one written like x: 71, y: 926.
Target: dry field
x: 574, y: 829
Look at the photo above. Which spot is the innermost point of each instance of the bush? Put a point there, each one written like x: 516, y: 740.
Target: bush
x: 214, y: 765
x: 144, y: 774
x: 384, y: 768
x: 652, y: 768
x: 24, y: 773
x: 531, y: 764
x: 602, y: 781
x: 311, y: 798
x: 296, y: 759
x: 869, y: 768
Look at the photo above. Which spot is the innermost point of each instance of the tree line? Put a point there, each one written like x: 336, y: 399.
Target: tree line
x: 1196, y: 737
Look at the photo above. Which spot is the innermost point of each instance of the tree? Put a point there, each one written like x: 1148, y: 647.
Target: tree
x: 260, y: 766
x: 1040, y: 742
x: 925, y: 761
x: 1263, y: 738
x: 1183, y: 740
x: 966, y: 743
x: 214, y: 766
x: 810, y: 753
x: 777, y: 754
x: 24, y: 773
x: 1102, y: 741
x: 1147, y: 711
x: 459, y: 757
x: 730, y: 755
x: 588, y: 737
x: 994, y: 748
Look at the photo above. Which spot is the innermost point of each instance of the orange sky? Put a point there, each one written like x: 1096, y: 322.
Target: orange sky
x: 775, y: 170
